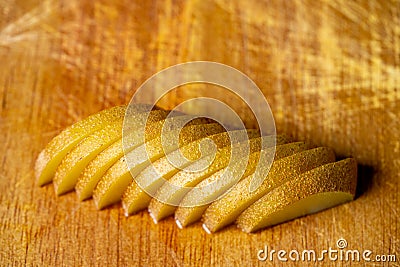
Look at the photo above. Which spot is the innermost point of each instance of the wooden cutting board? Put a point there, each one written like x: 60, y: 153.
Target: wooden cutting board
x: 329, y: 69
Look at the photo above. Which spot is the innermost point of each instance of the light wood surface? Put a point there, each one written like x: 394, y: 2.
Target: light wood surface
x: 329, y: 69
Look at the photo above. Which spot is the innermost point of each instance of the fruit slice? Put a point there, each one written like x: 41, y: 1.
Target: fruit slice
x: 77, y: 159
x: 181, y: 183
x: 137, y: 196
x: 93, y: 172
x: 225, y: 210
x: 195, y: 202
x: 49, y: 159
x: 111, y: 186
x: 318, y: 189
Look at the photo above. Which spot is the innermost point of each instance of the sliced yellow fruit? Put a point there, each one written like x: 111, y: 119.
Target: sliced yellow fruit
x: 111, y: 186
x: 318, y: 189
x: 93, y: 172
x: 71, y: 166
x: 49, y: 159
x: 137, y: 197
x: 225, y: 210
x: 76, y: 160
x: 195, y: 202
x: 170, y: 194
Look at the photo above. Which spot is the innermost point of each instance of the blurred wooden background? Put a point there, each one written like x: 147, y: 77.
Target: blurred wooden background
x: 329, y: 69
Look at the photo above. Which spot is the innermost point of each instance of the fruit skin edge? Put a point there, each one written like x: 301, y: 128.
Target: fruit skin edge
x: 134, y: 192
x: 159, y: 210
x: 225, y: 210
x: 337, y: 179
x: 50, y: 157
x: 110, y: 189
x: 185, y: 216
x: 98, y: 167
x: 72, y: 166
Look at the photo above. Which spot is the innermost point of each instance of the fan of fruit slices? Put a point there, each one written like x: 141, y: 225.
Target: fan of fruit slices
x: 89, y: 158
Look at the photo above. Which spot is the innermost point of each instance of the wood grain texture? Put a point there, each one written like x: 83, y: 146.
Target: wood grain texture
x: 329, y: 69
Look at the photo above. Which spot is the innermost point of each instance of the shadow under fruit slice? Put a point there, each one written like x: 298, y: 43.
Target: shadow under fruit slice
x: 76, y: 160
x: 181, y: 183
x: 195, y: 202
x: 318, y: 189
x: 137, y: 196
x: 49, y: 159
x: 225, y: 210
x: 110, y: 188
x: 93, y: 172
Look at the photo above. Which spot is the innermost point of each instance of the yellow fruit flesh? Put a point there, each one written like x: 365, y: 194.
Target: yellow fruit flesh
x: 137, y: 196
x: 195, y: 202
x: 74, y: 162
x: 225, y: 210
x: 318, y: 189
x: 180, y: 184
x: 296, y: 185
x: 94, y: 171
x: 49, y: 159
x: 78, y: 158
x: 111, y: 186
